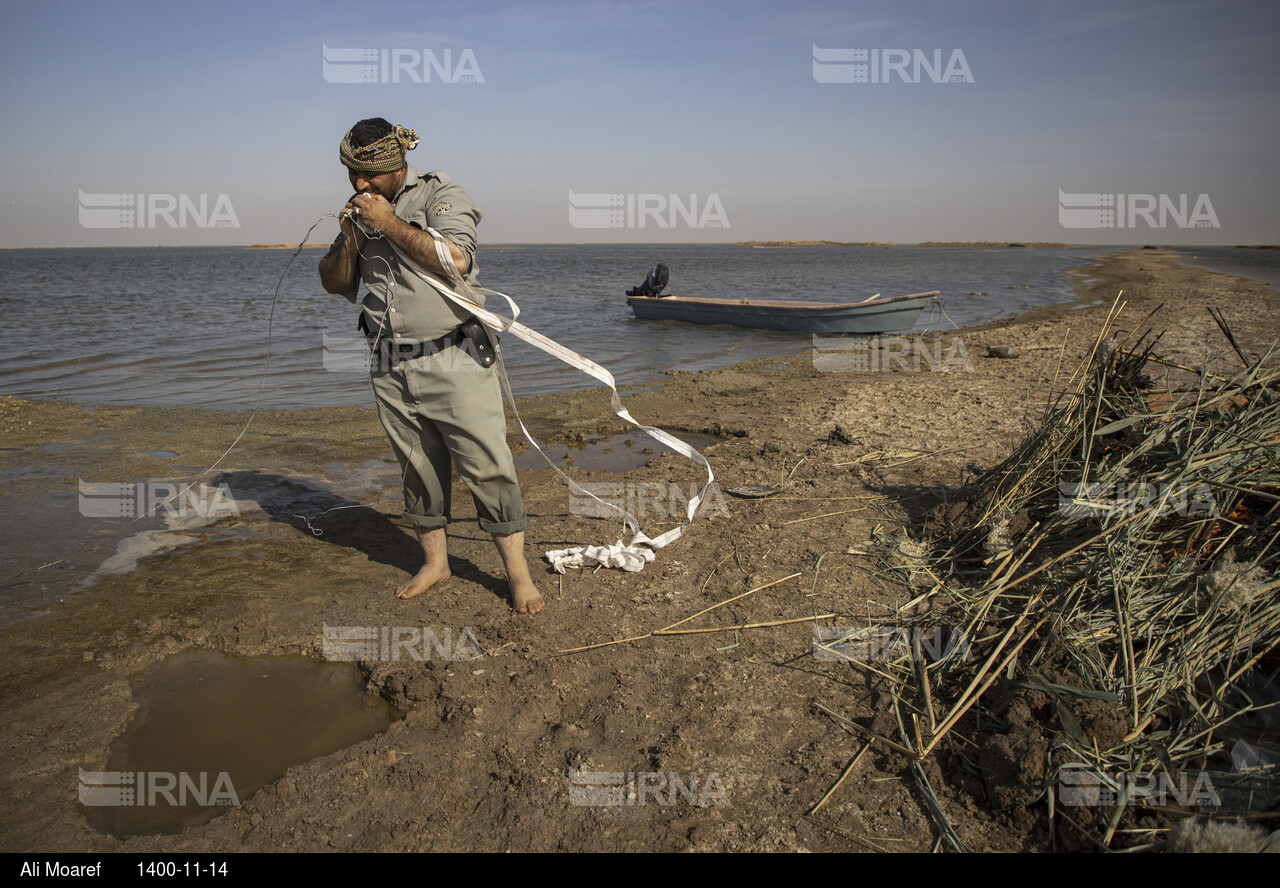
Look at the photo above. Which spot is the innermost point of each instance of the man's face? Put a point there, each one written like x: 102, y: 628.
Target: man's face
x: 386, y: 184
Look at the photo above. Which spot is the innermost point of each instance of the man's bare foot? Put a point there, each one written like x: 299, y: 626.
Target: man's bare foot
x: 525, y: 597
x: 423, y: 580
x: 435, y: 570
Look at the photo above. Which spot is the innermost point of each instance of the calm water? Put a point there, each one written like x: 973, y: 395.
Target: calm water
x: 1262, y: 265
x: 188, y: 326
x: 176, y: 327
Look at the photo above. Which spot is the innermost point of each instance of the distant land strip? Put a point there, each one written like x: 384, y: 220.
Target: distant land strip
x: 1050, y: 244
x: 815, y: 243
x: 284, y: 246
x: 828, y: 243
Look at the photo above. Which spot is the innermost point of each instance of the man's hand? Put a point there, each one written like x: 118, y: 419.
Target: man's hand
x: 375, y: 211
x: 345, y: 223
x: 339, y: 268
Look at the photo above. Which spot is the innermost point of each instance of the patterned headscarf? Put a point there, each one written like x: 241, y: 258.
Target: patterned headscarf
x: 383, y: 156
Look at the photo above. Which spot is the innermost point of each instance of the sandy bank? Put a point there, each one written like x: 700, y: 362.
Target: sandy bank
x: 483, y: 758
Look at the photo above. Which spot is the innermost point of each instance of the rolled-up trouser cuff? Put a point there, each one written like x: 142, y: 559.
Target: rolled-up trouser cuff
x: 502, y: 528
x: 426, y: 522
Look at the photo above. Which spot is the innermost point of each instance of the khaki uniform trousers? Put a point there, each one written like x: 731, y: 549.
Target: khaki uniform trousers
x: 442, y: 408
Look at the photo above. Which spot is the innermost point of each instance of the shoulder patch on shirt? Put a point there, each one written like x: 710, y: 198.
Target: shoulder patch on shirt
x: 441, y: 208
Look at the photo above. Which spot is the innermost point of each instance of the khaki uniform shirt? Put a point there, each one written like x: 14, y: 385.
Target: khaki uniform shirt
x: 417, y: 312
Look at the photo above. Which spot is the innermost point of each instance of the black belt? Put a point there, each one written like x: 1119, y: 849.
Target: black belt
x: 470, y: 334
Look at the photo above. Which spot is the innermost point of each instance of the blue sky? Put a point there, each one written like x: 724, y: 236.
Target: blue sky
x: 718, y: 104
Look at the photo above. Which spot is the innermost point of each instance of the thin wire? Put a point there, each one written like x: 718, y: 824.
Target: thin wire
x: 266, y: 368
x: 373, y: 353
x: 943, y: 309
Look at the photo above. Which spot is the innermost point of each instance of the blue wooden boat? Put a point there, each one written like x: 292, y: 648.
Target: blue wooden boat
x: 869, y: 317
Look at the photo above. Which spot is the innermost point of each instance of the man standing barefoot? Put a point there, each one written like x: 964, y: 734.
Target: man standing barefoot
x: 438, y: 404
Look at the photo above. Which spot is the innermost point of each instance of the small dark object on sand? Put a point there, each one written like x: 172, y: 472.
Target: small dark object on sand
x: 753, y: 491
x: 842, y: 435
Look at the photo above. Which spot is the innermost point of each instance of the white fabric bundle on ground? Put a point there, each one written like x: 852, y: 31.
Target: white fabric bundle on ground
x: 630, y: 558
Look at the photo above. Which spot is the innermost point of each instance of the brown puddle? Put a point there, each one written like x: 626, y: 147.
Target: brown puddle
x: 213, y: 729
x: 616, y: 453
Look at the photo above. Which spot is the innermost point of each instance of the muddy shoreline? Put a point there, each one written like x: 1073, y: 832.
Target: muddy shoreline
x: 484, y: 756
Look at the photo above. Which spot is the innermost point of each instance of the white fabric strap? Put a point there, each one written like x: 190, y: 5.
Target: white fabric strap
x: 630, y: 556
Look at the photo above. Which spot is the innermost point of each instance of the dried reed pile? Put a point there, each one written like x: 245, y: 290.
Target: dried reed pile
x: 1125, y: 552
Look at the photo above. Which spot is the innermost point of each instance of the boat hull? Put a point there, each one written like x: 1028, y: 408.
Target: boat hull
x: 880, y: 316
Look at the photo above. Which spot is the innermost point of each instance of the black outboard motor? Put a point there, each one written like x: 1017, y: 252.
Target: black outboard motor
x: 653, y: 284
